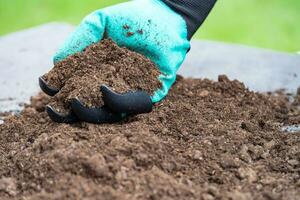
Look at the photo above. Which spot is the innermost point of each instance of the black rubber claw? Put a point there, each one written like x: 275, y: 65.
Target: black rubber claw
x: 130, y: 102
x: 61, y: 118
x: 47, y: 89
x: 94, y: 115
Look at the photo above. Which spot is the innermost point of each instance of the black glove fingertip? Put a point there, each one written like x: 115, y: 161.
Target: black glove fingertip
x: 51, y: 91
x: 59, y: 117
x: 130, y: 102
x: 94, y: 115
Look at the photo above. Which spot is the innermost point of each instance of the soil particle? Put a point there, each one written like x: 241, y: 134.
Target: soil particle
x: 248, y: 174
x: 228, y: 161
x: 8, y: 185
x: 129, y: 34
x: 191, y: 146
x: 126, y: 27
x: 237, y: 195
x: 140, y: 31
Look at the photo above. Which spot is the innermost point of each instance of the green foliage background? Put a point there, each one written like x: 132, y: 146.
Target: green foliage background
x: 271, y: 24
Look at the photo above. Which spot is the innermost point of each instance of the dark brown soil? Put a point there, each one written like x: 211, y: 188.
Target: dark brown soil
x: 206, y: 140
x: 82, y: 74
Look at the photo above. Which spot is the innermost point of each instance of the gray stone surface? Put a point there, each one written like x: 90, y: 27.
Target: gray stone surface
x: 26, y: 55
x: 260, y: 69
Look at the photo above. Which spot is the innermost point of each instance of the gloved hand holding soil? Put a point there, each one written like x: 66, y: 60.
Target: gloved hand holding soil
x: 81, y: 75
x: 130, y: 83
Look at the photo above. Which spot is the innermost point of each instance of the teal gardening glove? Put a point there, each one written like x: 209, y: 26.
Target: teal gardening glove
x: 158, y: 29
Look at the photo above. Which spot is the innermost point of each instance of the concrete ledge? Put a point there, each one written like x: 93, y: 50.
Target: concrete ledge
x: 24, y: 56
x: 260, y: 69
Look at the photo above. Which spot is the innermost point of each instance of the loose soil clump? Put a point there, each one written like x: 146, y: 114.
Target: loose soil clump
x: 82, y: 74
x: 206, y: 140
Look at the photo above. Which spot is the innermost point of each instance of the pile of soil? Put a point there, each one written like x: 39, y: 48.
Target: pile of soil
x: 82, y: 74
x: 206, y: 140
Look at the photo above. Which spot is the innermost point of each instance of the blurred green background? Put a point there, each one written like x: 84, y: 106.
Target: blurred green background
x: 273, y: 24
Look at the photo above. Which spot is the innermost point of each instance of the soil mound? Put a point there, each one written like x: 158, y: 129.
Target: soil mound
x: 209, y: 140
x: 206, y: 140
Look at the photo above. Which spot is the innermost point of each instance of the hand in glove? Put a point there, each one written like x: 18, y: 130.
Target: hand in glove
x: 159, y: 29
